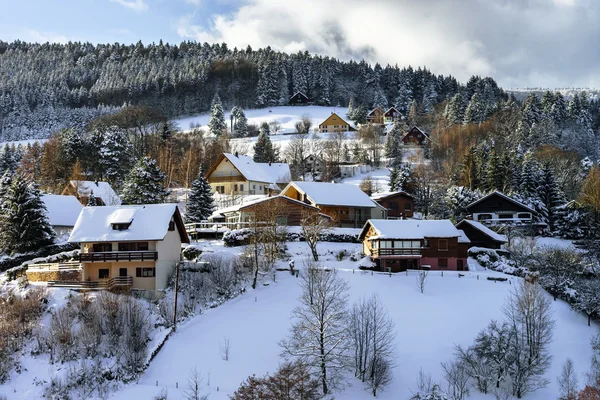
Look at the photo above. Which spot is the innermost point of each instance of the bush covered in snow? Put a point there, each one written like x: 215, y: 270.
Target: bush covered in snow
x: 191, y: 252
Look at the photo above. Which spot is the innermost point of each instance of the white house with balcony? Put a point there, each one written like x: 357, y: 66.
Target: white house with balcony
x: 134, y: 246
x: 238, y: 174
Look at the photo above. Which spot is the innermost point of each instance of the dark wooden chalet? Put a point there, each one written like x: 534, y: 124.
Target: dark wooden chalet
x: 299, y: 99
x: 480, y: 235
x: 415, y: 137
x: 498, y: 208
x: 376, y: 116
x: 392, y: 115
x: 398, y: 204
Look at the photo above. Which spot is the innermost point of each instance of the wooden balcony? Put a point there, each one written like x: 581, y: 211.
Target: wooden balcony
x: 109, y: 256
x: 118, y: 282
x: 396, y: 252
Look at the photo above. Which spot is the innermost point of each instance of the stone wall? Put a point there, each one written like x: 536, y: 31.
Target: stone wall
x: 69, y: 275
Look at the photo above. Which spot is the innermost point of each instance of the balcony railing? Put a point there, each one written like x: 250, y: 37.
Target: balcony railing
x: 396, y: 252
x: 112, y: 283
x: 105, y: 256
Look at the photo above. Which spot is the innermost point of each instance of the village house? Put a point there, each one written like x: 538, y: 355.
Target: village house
x: 398, y: 204
x: 62, y: 212
x: 299, y: 99
x: 392, y: 115
x: 415, y: 137
x: 376, y: 116
x: 129, y: 246
x: 314, y: 165
x: 283, y: 210
x: 347, y: 205
x: 334, y: 123
x: 498, y: 208
x: 103, y: 192
x: 398, y: 245
x: 480, y: 235
x: 237, y: 174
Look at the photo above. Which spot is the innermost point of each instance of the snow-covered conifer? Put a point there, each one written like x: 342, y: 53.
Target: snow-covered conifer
x: 201, y: 202
x: 216, y: 123
x: 144, y: 184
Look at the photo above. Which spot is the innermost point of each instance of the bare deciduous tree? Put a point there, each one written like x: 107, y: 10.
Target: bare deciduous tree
x: 319, y: 333
x: 529, y: 315
x: 313, y: 225
x: 224, y: 348
x: 422, y: 280
x: 457, y: 379
x: 193, y: 387
x: 372, y: 333
x: 567, y: 381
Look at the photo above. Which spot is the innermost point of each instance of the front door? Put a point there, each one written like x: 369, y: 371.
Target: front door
x: 122, y: 271
x: 410, y: 264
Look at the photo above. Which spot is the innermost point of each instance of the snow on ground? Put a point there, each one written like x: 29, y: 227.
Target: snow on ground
x: 381, y: 178
x: 451, y: 311
x: 285, y: 116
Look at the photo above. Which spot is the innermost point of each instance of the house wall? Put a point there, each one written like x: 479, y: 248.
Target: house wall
x: 414, y: 137
x: 292, y: 212
x: 496, y: 203
x: 396, y: 205
x: 334, y: 124
x: 169, y: 253
x: 91, y: 272
x: 293, y: 193
x: 499, y: 217
x: 379, y: 212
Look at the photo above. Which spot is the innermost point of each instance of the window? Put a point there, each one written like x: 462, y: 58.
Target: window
x: 407, y: 206
x: 142, y: 246
x: 121, y: 226
x: 145, y: 272
x: 483, y: 217
x: 103, y: 273
x: 443, y: 244
x: 282, y: 221
x: 241, y: 188
x: 171, y: 225
x: 235, y: 187
x: 253, y: 187
x: 98, y: 247
x: 393, y: 206
x: 133, y: 246
x: 426, y: 243
x: 524, y: 215
x: 443, y: 262
x: 505, y: 216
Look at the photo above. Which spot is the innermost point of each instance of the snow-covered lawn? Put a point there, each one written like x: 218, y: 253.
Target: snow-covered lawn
x: 451, y: 311
x: 285, y: 116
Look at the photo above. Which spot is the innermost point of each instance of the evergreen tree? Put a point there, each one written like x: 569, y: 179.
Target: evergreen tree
x: 263, y: 149
x: 547, y: 104
x: 240, y: 125
x: 558, y: 111
x: 92, y: 200
x: 551, y: 196
x: 5, y: 183
x: 144, y: 184
x: 360, y: 115
x: 351, y: 109
x: 9, y: 159
x: 469, y: 176
x: 455, y: 110
x: 495, y: 176
x: 457, y: 199
x: 393, y: 145
x: 24, y: 225
x: 405, y: 93
x: 114, y: 156
x: 475, y: 112
x: 201, y: 202
x: 394, y: 177
x: 216, y: 123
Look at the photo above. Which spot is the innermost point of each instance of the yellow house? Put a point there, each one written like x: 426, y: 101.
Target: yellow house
x: 240, y: 175
x: 334, y: 123
x: 129, y: 246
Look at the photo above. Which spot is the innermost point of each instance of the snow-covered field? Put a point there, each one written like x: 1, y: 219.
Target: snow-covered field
x: 285, y: 116
x: 451, y: 311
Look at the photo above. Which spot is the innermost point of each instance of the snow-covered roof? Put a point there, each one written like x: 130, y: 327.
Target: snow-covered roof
x: 495, y: 192
x: 102, y: 190
x: 148, y: 222
x: 298, y: 92
x: 379, y: 196
x: 463, y: 237
x: 485, y: 230
x: 260, y: 172
x: 62, y: 210
x: 334, y: 194
x: 411, y: 229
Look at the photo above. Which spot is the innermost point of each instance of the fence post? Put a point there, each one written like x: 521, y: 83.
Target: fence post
x: 477, y: 277
x: 442, y: 274
x: 156, y: 383
x: 176, y: 385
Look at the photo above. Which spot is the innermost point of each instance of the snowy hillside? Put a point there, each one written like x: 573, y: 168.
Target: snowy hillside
x: 451, y: 311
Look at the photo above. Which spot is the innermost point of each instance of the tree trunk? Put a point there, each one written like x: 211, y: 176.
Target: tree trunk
x: 323, y: 366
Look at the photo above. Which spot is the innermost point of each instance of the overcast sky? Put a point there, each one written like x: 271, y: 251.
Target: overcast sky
x: 520, y: 43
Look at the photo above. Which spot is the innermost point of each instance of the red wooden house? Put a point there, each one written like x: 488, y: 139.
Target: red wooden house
x: 397, y: 204
x: 398, y: 245
x: 376, y: 116
x: 415, y: 137
x: 392, y: 115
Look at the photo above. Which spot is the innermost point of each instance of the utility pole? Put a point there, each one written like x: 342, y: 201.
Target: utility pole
x: 175, y: 303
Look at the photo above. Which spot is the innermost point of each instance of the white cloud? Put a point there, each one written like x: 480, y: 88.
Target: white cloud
x: 135, y: 5
x: 43, y: 37
x: 509, y: 40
